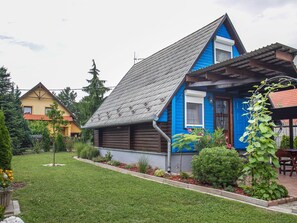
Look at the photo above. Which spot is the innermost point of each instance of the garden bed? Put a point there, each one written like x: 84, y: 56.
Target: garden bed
x: 191, y: 184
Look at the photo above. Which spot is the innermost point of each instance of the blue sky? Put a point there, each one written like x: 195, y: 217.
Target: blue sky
x: 54, y: 42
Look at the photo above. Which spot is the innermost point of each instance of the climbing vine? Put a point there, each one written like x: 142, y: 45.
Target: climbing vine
x: 261, y: 147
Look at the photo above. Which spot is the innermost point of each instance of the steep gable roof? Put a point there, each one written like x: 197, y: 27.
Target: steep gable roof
x: 149, y: 85
x: 41, y: 86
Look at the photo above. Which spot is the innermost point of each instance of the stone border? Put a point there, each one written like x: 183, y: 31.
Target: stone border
x: 197, y: 188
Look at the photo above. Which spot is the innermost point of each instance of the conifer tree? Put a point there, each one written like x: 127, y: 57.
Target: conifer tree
x: 5, y: 145
x: 11, y: 105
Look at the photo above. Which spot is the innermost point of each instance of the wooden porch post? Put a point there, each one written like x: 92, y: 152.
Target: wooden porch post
x: 291, y: 132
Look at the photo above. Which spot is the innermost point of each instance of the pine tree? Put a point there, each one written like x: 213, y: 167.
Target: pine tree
x: 90, y: 103
x: 11, y: 105
x: 67, y: 97
x: 95, y: 90
x: 5, y: 145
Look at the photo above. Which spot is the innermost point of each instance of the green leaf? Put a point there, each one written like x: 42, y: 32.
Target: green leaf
x: 263, y: 128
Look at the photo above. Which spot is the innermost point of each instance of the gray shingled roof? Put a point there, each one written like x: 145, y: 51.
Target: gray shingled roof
x: 149, y: 85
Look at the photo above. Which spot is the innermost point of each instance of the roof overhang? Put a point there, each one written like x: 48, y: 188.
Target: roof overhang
x: 242, y: 72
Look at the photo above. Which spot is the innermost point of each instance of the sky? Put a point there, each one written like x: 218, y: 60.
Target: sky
x: 54, y: 41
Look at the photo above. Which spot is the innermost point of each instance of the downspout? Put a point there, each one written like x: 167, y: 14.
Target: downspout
x: 168, y: 145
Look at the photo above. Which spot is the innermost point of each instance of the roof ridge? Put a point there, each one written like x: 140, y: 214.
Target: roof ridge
x: 180, y: 40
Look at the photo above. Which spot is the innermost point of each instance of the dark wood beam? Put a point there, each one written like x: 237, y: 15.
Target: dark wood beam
x: 213, y: 76
x: 241, y: 72
x: 284, y: 56
x: 192, y: 79
x: 267, y: 66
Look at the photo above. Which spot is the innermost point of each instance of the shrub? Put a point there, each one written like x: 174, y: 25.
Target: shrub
x: 84, y: 153
x: 159, y: 173
x: 108, y: 156
x: 272, y: 192
x: 184, y: 175
x: 60, y: 144
x: 143, y: 164
x: 69, y: 144
x: 92, y: 152
x: 217, y: 166
x: 37, y: 144
x: 295, y: 142
x: 99, y: 159
x: 46, y: 140
x: 114, y: 163
x: 78, y: 147
x: 5, y: 145
x: 285, y: 142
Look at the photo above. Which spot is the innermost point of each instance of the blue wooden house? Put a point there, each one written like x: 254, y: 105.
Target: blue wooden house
x: 198, y: 81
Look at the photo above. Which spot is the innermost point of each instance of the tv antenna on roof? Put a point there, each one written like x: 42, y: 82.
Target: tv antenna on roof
x: 136, y: 59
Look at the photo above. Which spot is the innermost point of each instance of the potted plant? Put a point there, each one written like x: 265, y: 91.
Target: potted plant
x: 6, y: 178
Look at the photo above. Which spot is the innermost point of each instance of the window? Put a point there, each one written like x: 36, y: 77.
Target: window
x: 222, y: 49
x: 27, y: 109
x: 47, y: 109
x: 194, y: 108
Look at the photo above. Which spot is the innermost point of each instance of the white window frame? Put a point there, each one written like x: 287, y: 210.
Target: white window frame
x: 194, y: 97
x: 24, y: 107
x: 223, y: 44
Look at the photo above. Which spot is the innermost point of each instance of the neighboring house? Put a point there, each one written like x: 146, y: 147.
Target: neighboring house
x: 36, y: 103
x: 201, y: 81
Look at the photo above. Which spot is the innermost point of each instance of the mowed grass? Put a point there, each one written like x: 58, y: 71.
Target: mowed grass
x: 80, y: 192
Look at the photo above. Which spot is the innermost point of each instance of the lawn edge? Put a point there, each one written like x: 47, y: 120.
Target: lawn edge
x: 268, y: 205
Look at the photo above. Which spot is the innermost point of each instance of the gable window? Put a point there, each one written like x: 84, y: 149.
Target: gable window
x: 222, y: 49
x: 194, y: 108
x: 27, y: 109
x: 47, y: 109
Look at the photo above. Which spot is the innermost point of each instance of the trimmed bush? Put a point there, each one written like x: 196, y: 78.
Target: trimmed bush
x: 217, y: 166
x: 5, y: 145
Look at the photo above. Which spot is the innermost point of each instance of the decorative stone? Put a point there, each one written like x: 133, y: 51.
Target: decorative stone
x: 12, y: 219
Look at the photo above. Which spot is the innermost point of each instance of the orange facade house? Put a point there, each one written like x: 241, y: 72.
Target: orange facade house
x: 36, y: 103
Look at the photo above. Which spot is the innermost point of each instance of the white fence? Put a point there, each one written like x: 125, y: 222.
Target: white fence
x: 284, y: 131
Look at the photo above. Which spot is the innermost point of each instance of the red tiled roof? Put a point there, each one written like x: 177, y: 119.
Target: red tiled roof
x: 282, y: 99
x: 44, y: 117
x: 286, y: 98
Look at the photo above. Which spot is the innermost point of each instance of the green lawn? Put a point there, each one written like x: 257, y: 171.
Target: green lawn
x: 80, y: 192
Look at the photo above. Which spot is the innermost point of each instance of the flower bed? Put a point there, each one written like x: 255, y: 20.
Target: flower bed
x: 190, y: 183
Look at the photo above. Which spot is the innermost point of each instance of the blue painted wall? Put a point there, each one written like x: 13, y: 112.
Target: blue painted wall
x: 164, y: 116
x: 178, y: 116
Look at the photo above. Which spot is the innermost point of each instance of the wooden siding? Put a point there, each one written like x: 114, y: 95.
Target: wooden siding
x: 115, y: 137
x: 142, y: 137
x: 145, y: 138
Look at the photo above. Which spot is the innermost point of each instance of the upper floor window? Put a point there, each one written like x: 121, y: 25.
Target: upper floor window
x: 194, y: 108
x: 47, y: 109
x: 222, y: 49
x: 27, y: 109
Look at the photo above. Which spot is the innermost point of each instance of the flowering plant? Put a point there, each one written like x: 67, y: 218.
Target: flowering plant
x: 6, y: 178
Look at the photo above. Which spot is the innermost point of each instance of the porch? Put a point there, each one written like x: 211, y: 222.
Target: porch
x: 289, y: 182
